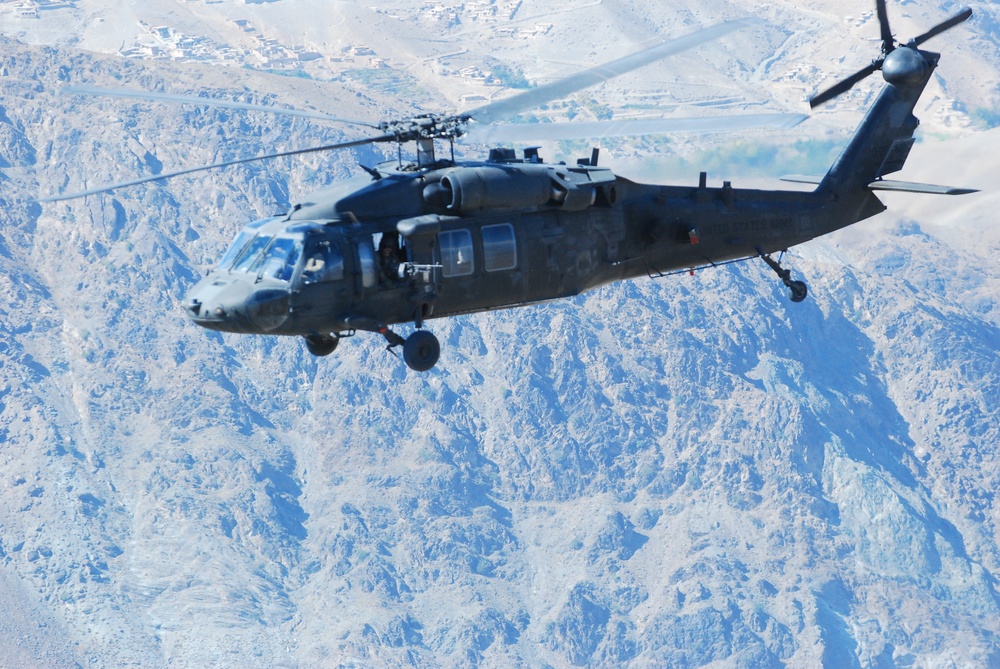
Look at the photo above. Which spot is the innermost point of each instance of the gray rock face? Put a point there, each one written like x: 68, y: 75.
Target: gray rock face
x: 680, y: 473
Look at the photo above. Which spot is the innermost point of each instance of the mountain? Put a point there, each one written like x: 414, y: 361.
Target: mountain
x: 682, y: 472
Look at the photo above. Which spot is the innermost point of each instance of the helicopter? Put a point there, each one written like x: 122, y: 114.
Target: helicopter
x: 406, y: 242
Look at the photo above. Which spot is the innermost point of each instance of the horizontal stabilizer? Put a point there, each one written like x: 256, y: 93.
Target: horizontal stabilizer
x: 909, y: 187
x: 802, y: 179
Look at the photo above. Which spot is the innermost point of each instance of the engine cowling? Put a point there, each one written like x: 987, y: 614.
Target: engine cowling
x: 472, y: 189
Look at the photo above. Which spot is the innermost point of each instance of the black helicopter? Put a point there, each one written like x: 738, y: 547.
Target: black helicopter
x: 408, y: 242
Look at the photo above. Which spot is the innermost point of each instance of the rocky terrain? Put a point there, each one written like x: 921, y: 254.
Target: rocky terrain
x: 684, y: 472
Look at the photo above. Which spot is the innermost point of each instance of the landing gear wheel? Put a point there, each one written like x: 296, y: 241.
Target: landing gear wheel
x: 421, y: 351
x: 797, y: 291
x: 321, y: 345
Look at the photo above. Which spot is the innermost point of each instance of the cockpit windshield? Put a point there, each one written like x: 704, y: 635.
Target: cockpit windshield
x: 234, y: 249
x: 239, y: 244
x: 265, y: 255
x: 276, y: 251
x: 278, y: 262
x: 251, y: 253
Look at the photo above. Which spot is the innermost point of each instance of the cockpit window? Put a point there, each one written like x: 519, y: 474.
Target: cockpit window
x: 241, y: 241
x: 251, y: 253
x: 238, y: 245
x: 279, y: 260
x: 324, y: 262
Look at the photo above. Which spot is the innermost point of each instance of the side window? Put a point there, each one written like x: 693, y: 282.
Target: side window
x: 456, y: 253
x: 325, y: 262
x: 499, y: 247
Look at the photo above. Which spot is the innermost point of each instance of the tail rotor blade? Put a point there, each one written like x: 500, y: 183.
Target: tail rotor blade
x: 959, y: 18
x: 888, y: 43
x: 845, y: 85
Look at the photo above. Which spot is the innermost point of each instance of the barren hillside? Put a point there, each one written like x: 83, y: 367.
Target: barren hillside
x: 685, y: 472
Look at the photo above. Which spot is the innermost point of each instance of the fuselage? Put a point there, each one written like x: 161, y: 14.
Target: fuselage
x: 408, y: 244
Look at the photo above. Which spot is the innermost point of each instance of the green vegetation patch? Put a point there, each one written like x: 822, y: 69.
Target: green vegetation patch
x: 402, y: 85
x: 509, y: 76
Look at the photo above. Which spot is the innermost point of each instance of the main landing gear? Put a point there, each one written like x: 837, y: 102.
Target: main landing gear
x: 421, y: 349
x: 797, y: 290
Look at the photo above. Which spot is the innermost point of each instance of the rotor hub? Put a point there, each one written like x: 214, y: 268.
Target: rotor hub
x: 905, y: 66
x: 427, y: 126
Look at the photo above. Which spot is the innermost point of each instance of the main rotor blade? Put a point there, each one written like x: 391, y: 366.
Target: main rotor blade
x: 564, y: 87
x: 522, y: 132
x: 845, y: 85
x: 888, y: 43
x: 961, y: 17
x: 205, y: 102
x: 240, y: 161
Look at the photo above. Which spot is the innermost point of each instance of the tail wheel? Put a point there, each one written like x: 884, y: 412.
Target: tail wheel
x: 321, y: 345
x: 421, y: 351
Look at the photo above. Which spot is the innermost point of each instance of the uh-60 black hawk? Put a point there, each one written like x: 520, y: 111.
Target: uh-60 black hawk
x: 409, y: 242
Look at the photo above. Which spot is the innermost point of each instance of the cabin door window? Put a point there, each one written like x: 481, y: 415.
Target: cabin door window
x: 499, y: 247
x: 456, y: 253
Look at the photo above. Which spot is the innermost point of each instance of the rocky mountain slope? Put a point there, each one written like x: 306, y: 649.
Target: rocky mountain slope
x: 685, y: 472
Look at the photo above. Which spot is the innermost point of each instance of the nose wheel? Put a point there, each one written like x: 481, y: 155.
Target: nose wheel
x: 797, y: 290
x: 323, y: 344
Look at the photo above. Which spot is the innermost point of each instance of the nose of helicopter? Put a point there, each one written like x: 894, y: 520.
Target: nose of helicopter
x: 234, y: 305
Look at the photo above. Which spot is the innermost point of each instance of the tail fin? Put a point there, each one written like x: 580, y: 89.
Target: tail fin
x: 883, y: 141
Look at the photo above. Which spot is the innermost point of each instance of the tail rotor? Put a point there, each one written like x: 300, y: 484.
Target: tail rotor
x: 904, y: 61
